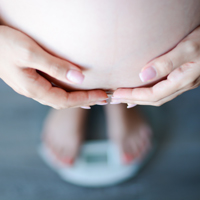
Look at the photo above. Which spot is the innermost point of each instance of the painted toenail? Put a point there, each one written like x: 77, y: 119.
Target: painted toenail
x: 68, y: 161
x: 128, y: 158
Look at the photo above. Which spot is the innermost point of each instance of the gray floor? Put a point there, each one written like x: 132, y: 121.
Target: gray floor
x: 173, y: 173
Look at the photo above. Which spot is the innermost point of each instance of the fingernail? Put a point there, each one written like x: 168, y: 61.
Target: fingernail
x: 101, y: 103
x: 75, y: 76
x: 129, y: 105
x: 115, y: 102
x: 101, y: 100
x: 86, y: 107
x: 128, y: 158
x: 148, y: 74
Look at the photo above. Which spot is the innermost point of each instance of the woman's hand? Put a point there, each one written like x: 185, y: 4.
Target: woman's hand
x: 20, y: 57
x: 180, y: 66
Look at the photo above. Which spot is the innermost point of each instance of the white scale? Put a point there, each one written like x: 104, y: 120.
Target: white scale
x: 98, y: 165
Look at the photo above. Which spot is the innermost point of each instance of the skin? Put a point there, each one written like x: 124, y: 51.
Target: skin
x: 110, y: 42
x: 20, y: 55
x: 181, y: 66
x: 111, y: 45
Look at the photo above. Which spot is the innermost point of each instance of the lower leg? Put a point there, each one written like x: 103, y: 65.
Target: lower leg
x: 129, y: 130
x: 63, y: 133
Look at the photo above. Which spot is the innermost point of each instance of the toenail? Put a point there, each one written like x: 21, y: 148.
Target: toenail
x: 68, y: 161
x: 128, y: 158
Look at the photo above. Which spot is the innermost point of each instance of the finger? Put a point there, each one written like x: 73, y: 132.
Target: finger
x: 154, y: 103
x: 146, y: 96
x: 60, y: 99
x: 168, y: 98
x: 183, y: 78
x: 38, y: 88
x: 51, y: 65
x: 172, y: 96
x: 164, y: 100
x: 92, y: 97
x: 186, y: 51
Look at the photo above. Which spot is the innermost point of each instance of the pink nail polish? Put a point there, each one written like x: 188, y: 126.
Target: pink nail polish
x: 75, y: 76
x: 128, y: 158
x: 129, y: 105
x: 86, y: 107
x: 116, y: 102
x: 148, y: 74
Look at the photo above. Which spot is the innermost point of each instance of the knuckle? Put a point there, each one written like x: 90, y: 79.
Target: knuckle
x: 66, y: 101
x: 192, y: 47
x: 155, y: 97
x: 158, y: 104
x: 26, y: 51
x: 58, y: 107
x: 29, y: 90
x: 55, y: 70
x: 190, y: 85
x: 33, y: 78
x: 17, y: 89
x: 165, y: 66
x: 28, y: 93
x: 195, y: 83
x: 55, y: 107
x: 25, y: 55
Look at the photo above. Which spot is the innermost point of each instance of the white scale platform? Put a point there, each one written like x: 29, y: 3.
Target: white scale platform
x: 98, y: 165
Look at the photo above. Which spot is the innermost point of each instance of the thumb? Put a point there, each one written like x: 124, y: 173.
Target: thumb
x: 165, y: 64
x: 54, y: 66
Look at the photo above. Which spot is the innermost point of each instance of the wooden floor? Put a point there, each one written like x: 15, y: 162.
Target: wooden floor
x: 172, y: 174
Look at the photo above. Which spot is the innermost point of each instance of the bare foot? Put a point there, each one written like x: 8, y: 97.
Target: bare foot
x: 129, y: 130
x: 63, y: 133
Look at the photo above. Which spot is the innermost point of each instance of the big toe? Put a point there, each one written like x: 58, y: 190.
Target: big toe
x: 135, y: 145
x: 65, y: 151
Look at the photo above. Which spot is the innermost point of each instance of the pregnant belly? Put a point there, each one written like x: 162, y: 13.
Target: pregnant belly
x: 109, y: 40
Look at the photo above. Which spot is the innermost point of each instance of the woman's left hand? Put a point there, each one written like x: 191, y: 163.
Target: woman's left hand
x: 180, y: 66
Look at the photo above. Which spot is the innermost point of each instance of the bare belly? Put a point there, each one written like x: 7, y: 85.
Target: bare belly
x: 110, y: 40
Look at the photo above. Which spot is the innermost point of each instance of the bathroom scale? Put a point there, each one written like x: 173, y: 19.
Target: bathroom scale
x: 98, y: 165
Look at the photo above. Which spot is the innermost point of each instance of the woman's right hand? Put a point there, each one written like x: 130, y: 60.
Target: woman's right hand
x: 21, y: 57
